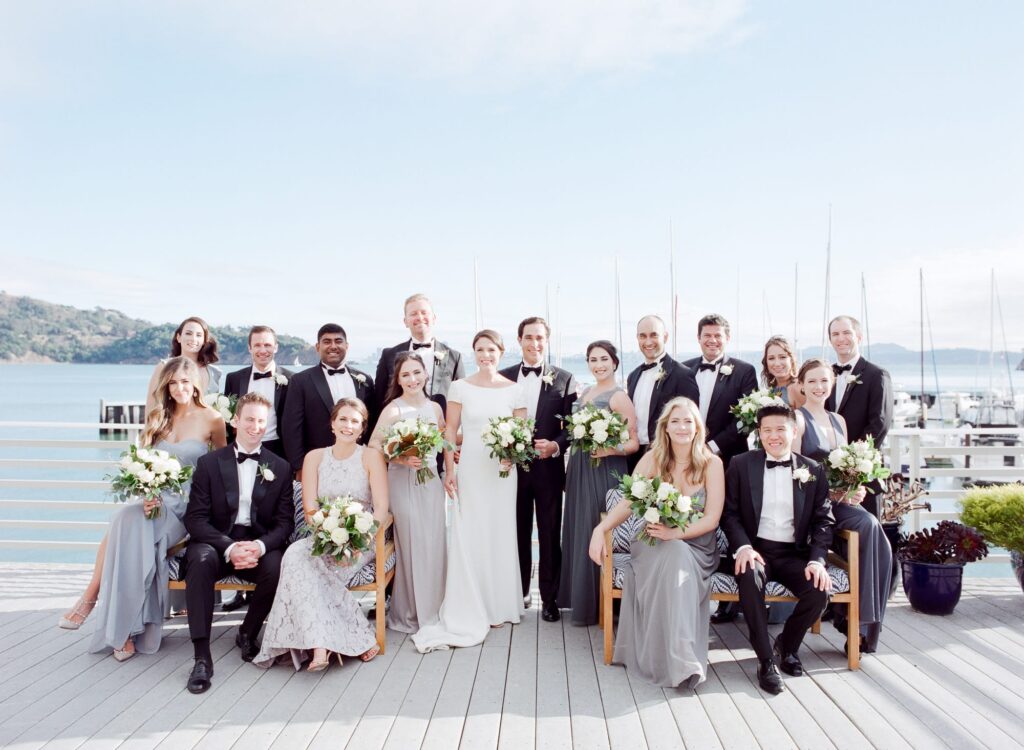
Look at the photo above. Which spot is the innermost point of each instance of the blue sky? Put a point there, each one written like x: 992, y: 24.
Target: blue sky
x: 296, y: 163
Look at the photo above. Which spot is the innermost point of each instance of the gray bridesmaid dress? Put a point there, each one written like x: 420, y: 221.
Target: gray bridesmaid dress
x: 133, y: 597
x: 420, y: 542
x: 666, y: 608
x: 585, y: 489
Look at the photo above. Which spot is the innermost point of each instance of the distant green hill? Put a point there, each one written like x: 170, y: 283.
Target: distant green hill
x: 34, y: 330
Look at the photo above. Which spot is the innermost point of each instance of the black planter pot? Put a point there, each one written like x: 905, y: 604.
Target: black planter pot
x: 932, y: 589
x: 893, y: 533
x: 1017, y: 561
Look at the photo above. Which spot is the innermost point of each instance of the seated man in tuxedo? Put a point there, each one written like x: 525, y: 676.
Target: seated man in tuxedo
x: 656, y: 382
x: 862, y: 394
x: 312, y: 394
x: 239, y: 517
x: 778, y: 520
x: 265, y: 377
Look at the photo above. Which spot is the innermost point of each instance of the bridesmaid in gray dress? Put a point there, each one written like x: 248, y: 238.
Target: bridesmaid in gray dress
x: 586, y: 487
x: 819, y: 432
x: 313, y: 608
x: 130, y: 575
x: 663, y: 621
x: 778, y: 371
x: 419, y: 509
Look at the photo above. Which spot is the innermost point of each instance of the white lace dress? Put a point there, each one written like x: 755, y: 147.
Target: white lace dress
x: 313, y: 607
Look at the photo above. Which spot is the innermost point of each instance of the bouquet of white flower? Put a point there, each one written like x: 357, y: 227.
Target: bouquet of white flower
x: 342, y: 528
x: 415, y: 437
x: 855, y: 465
x: 145, y: 473
x: 745, y: 410
x: 223, y: 405
x: 593, y: 428
x: 511, y: 439
x: 656, y: 501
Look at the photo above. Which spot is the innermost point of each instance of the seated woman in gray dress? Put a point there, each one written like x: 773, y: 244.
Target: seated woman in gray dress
x: 778, y: 370
x: 313, y: 609
x: 819, y: 432
x: 663, y: 622
x: 130, y: 575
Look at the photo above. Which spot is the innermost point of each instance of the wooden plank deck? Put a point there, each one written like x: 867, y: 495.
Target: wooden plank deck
x: 936, y: 682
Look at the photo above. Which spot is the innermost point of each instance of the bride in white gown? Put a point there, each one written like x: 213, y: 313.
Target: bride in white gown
x: 482, y: 586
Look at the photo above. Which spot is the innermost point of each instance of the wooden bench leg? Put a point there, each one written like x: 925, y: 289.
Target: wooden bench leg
x: 381, y: 615
x: 816, y: 627
x: 609, y: 629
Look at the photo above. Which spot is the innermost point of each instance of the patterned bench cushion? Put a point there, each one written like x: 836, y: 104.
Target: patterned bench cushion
x: 723, y: 583
x: 366, y: 574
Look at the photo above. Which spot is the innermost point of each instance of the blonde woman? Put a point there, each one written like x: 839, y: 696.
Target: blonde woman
x: 131, y: 566
x: 663, y: 623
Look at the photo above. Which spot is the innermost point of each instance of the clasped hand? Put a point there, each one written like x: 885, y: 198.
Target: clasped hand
x: 843, y: 496
x: 150, y: 504
x: 663, y: 532
x: 413, y: 462
x: 545, y: 448
x: 245, y: 555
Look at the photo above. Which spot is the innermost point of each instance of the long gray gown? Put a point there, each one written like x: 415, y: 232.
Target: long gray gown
x: 666, y: 595
x: 133, y: 588
x: 585, y: 489
x: 875, y: 554
x: 420, y: 541
x: 313, y: 607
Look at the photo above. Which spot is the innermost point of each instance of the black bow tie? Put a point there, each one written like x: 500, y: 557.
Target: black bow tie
x: 839, y: 369
x: 416, y: 346
x: 261, y: 375
x: 339, y: 371
x: 243, y: 457
x: 647, y: 366
x: 769, y: 464
x: 535, y: 370
x: 706, y: 366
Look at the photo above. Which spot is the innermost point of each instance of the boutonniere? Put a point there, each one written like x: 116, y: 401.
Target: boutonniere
x: 725, y: 370
x: 548, y: 377
x: 280, y: 379
x: 803, y: 475
x: 659, y: 374
x: 359, y: 378
x: 852, y: 379
x: 439, y: 355
x: 266, y: 473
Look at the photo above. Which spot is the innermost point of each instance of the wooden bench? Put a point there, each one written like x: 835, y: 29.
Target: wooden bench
x: 609, y: 592
x: 384, y: 548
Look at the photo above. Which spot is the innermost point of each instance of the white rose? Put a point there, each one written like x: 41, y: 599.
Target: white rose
x: 747, y: 407
x: 639, y: 488
x: 146, y: 476
x: 520, y: 447
x: 126, y: 461
x: 579, y: 431
x: 664, y: 490
x: 504, y: 427
x: 339, y: 536
x: 317, y: 518
x: 652, y: 515
x: 865, y: 467
x: 802, y: 474
x: 579, y: 417
x: 835, y: 458
x: 725, y: 369
x: 600, y: 437
x: 334, y: 512
x: 144, y: 454
x: 280, y: 379
x: 599, y: 425
x: 684, y: 503
x: 489, y: 439
x: 330, y: 524
x: 268, y: 475
x: 506, y: 441
x: 353, y: 508
x: 624, y: 436
x: 363, y: 522
x: 174, y: 465
x: 164, y: 455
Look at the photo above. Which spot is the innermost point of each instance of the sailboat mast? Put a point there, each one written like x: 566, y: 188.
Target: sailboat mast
x: 618, y: 317
x: 924, y: 407
x: 828, y: 283
x: 672, y: 287
x: 864, y: 312
x: 477, y: 314
x: 991, y: 331
x: 796, y: 311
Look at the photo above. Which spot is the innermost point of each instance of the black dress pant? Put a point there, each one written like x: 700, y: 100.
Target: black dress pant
x: 783, y: 564
x: 540, y: 488
x: 205, y: 566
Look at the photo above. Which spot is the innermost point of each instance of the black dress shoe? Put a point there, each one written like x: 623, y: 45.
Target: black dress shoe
x: 199, y: 678
x: 240, y: 600
x: 788, y: 662
x: 550, y: 613
x: 247, y: 645
x: 768, y: 677
x: 726, y: 612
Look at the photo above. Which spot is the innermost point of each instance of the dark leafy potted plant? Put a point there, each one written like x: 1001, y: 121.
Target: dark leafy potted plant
x: 933, y: 565
x: 998, y: 513
x: 898, y: 499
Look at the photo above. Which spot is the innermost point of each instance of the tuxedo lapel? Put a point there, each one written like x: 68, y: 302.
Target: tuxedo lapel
x: 631, y: 382
x: 856, y: 371
x: 719, y: 388
x: 320, y: 381
x: 439, y: 348
x: 259, y: 487
x: 246, y: 376
x: 757, y: 488
x: 799, y: 499
x: 229, y: 476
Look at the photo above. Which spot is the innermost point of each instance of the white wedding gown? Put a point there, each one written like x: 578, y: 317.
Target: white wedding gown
x: 482, y: 586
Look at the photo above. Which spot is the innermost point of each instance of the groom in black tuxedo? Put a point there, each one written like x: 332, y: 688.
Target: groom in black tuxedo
x: 312, y: 393
x: 265, y: 377
x: 444, y: 364
x: 863, y: 391
x: 656, y: 382
x: 240, y: 514
x: 778, y: 520
x: 721, y: 382
x: 550, y: 392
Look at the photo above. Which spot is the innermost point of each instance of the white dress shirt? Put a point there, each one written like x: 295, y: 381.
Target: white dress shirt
x: 531, y: 389
x: 706, y: 386
x: 246, y: 481
x: 427, y: 355
x: 777, y: 523
x: 267, y: 387
x: 342, y: 385
x: 642, y: 399
x: 841, y: 380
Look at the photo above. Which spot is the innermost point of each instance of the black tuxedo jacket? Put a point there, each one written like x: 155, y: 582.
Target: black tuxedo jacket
x: 237, y: 384
x: 744, y: 493
x: 729, y: 389
x: 306, y: 423
x: 449, y: 369
x: 213, y: 501
x: 867, y: 405
x: 555, y: 401
x: 677, y: 381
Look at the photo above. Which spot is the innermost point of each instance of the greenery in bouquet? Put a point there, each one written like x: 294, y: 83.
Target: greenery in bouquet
x: 145, y: 473
x: 415, y: 438
x: 510, y: 439
x: 656, y: 501
x: 592, y: 428
x: 855, y: 465
x: 342, y: 528
x: 745, y: 410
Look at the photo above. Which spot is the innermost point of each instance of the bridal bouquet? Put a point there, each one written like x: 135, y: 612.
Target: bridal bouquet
x: 745, y: 410
x: 342, y: 528
x: 415, y: 437
x: 146, y: 473
x: 511, y: 439
x: 223, y: 405
x: 854, y: 465
x: 656, y: 501
x: 593, y: 428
